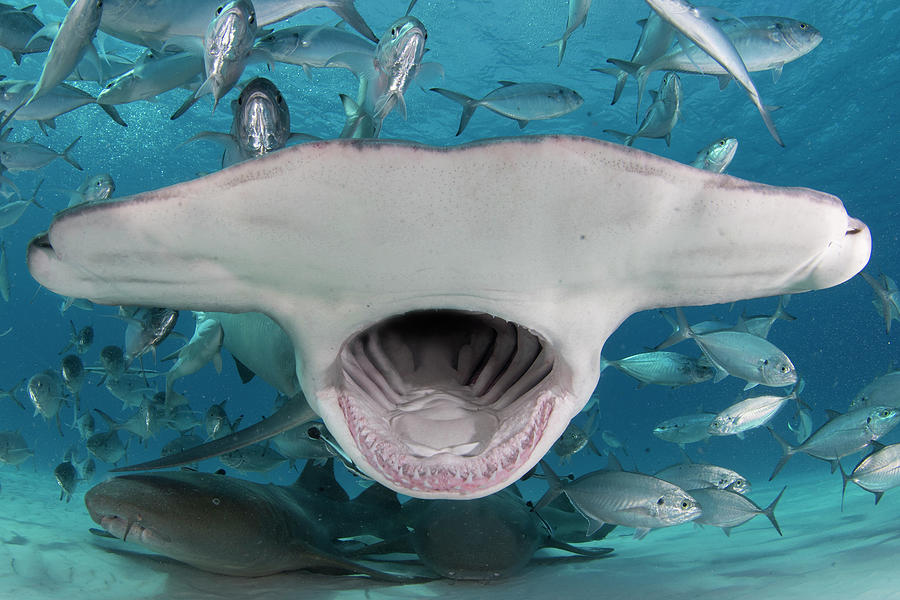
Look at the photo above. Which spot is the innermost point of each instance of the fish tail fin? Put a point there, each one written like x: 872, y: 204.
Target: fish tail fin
x: 604, y: 364
x: 113, y: 424
x: 555, y: 487
x: 769, y: 511
x: 346, y: 10
x: 678, y: 335
x: 626, y: 138
x: 12, y: 113
x: 34, y: 194
x: 767, y: 119
x: 11, y: 392
x: 641, y: 75
x: 469, y: 105
x: 621, y: 77
x: 351, y: 108
x: 780, y: 312
x: 683, y: 328
x: 67, y: 154
x: 788, y: 450
x: 560, y: 47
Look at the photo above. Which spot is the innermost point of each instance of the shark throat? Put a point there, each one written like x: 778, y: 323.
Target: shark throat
x: 447, y: 402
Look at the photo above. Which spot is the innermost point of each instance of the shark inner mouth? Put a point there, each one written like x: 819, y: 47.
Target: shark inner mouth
x: 446, y: 400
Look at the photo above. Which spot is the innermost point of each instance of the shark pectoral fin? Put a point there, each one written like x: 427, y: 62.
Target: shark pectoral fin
x: 593, y: 525
x: 287, y: 417
x: 594, y: 552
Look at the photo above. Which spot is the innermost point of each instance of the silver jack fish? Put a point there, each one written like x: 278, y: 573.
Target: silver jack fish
x: 226, y: 48
x: 521, y: 102
x: 72, y: 41
x: 623, y: 498
x: 717, y: 156
x: 697, y: 25
x: 841, y: 435
x: 662, y: 115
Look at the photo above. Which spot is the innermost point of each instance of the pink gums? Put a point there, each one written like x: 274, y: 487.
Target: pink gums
x: 464, y: 474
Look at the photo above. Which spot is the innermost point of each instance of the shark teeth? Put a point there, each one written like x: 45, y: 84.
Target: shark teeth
x: 443, y: 472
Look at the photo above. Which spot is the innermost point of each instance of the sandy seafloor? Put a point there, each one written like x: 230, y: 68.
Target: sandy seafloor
x: 824, y: 554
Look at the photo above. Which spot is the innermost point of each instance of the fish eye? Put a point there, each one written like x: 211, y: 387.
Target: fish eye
x: 803, y: 25
x: 766, y: 361
x: 279, y: 99
x: 661, y: 501
x: 219, y: 10
x: 99, y: 3
x: 251, y: 18
x: 685, y: 504
x: 394, y: 31
x: 885, y: 413
x: 721, y: 142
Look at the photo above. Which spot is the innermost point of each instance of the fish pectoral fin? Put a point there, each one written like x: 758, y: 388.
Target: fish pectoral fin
x: 428, y: 74
x: 641, y: 532
x: 776, y: 72
x: 724, y: 80
x: 750, y: 385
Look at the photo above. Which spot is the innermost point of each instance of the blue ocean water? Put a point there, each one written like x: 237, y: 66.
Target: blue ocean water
x: 838, y: 118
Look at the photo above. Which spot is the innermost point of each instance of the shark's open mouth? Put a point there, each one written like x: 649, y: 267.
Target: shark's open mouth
x: 447, y: 401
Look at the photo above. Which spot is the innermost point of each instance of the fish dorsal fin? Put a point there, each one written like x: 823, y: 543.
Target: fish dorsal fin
x: 505, y: 83
x: 515, y: 491
x: 613, y: 464
x: 321, y: 482
x: 641, y: 22
x: 831, y: 414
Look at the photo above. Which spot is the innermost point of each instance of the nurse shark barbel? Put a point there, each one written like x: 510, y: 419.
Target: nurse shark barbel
x: 447, y: 306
